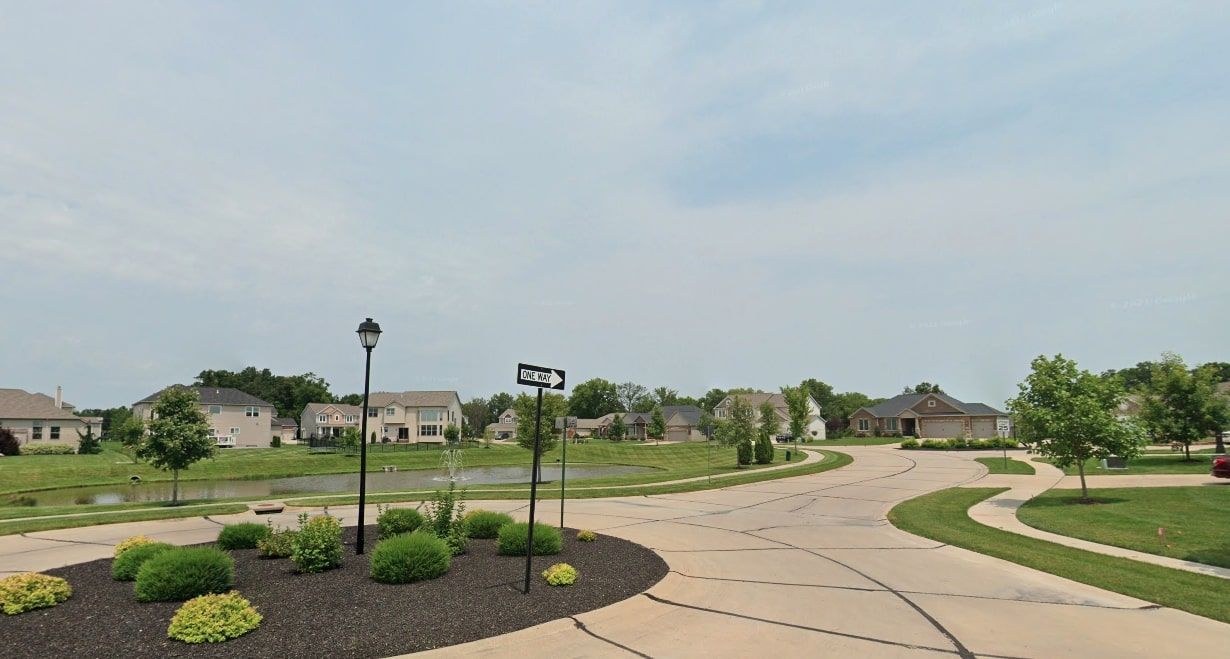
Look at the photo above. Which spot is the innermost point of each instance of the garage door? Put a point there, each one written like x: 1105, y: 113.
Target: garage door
x: 943, y: 428
x: 677, y: 434
x: 984, y: 428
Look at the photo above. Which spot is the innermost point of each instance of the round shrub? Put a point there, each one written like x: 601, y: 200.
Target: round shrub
x: 184, y: 573
x: 213, y: 619
x: 317, y: 545
x: 910, y: 443
x: 486, y: 523
x: 561, y: 574
x: 129, y: 543
x: 513, y: 539
x: 586, y: 536
x: 410, y: 557
x: 30, y: 590
x: 242, y: 536
x: 279, y: 544
x: 395, y: 521
x: 125, y: 566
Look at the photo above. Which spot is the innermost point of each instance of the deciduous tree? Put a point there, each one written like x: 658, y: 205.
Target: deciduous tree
x: 178, y: 436
x: 739, y: 429
x: 553, y: 405
x: 1070, y: 415
x: 594, y: 398
x: 631, y: 396
x: 618, y: 430
x: 799, y: 407
x: 657, y: 423
x: 923, y: 388
x: 665, y: 396
x: 1183, y: 406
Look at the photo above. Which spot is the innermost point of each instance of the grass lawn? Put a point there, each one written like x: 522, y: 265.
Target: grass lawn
x: 1148, y: 463
x: 145, y: 512
x: 1196, y: 519
x: 942, y: 516
x: 997, y: 466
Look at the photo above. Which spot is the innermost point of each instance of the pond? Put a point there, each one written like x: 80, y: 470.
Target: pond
x: 318, y: 484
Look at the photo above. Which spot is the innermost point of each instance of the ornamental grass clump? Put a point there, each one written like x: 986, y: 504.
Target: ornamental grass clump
x: 486, y: 523
x: 129, y: 543
x: 184, y: 573
x: 561, y: 574
x: 213, y: 619
x: 395, y: 521
x: 318, y: 544
x: 125, y: 566
x: 410, y: 557
x: 242, y: 536
x: 514, y: 539
x: 30, y: 590
x: 586, y: 536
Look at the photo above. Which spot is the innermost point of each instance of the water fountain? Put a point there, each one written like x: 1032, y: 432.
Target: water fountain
x: 451, y: 464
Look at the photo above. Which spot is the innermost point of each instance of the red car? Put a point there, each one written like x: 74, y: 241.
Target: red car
x: 1221, y: 466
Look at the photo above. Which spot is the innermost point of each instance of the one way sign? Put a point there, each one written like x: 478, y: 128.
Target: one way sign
x: 540, y: 376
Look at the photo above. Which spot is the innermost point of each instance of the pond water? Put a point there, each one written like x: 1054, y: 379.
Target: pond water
x: 319, y: 484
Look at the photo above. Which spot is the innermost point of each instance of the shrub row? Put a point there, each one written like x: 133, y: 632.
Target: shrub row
x: 959, y: 444
x: 48, y: 449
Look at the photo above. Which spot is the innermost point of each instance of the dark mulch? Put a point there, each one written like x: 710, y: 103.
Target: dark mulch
x: 340, y: 613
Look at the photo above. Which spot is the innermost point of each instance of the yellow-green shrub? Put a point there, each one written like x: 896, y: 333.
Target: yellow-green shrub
x: 561, y: 574
x: 213, y: 619
x: 31, y: 590
x: 586, y: 536
x: 129, y: 543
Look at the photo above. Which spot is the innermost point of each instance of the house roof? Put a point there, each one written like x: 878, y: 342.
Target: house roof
x: 508, y: 412
x: 413, y: 398
x: 896, y: 405
x: 214, y: 396
x: 756, y: 400
x: 689, y: 413
x: 284, y: 421
x: 317, y: 408
x: 21, y: 404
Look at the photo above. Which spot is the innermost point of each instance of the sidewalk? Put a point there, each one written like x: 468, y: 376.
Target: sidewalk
x: 999, y: 511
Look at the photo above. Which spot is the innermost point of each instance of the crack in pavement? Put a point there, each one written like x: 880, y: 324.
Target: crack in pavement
x: 71, y: 542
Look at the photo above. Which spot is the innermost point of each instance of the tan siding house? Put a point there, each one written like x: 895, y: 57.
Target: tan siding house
x: 407, y: 416
x: 815, y: 425
x: 935, y: 416
x: 39, y: 418
x: 236, y: 418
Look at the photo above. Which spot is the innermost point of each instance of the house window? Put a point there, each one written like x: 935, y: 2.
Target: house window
x: 403, y: 433
x: 429, y: 431
x: 371, y: 414
x: 252, y: 410
x: 55, y: 432
x: 864, y: 424
x: 429, y: 415
x: 38, y: 430
x: 390, y: 411
x: 234, y: 431
x: 212, y: 433
x: 337, y: 417
x: 931, y: 403
x: 508, y: 419
x: 215, y: 409
x: 322, y: 418
x: 349, y: 418
x: 891, y: 423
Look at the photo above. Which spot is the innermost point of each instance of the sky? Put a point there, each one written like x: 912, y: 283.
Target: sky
x: 695, y: 195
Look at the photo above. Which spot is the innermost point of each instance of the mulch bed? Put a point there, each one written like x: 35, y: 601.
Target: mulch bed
x: 342, y: 612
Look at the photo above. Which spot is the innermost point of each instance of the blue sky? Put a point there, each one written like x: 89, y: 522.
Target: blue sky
x: 691, y: 195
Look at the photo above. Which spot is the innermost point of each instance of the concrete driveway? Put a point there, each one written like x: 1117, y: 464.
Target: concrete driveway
x: 809, y: 566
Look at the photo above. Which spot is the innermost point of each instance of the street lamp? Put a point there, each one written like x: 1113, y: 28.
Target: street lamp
x: 369, y: 334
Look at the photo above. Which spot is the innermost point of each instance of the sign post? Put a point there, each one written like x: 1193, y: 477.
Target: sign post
x: 542, y: 378
x: 568, y: 424
x: 1001, y: 428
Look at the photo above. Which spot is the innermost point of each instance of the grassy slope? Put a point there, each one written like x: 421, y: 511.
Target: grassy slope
x: 996, y: 466
x: 1149, y: 463
x: 138, y: 515
x: 1196, y: 519
x: 942, y: 516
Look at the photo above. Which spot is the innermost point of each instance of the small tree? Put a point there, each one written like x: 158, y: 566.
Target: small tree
x: 553, y: 405
x: 618, y: 429
x: 452, y: 434
x: 87, y: 443
x: 8, y: 443
x: 1069, y: 415
x: 770, y: 424
x: 129, y: 432
x: 350, y: 439
x: 1181, y: 406
x: 178, y: 435
x: 738, y: 430
x: 798, y: 404
x: 657, y: 422
x: 372, y: 439
x: 764, y: 448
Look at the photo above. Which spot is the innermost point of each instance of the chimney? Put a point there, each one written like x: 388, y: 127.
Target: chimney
x: 59, y: 397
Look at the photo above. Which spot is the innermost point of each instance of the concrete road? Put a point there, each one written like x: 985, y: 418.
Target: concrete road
x: 809, y: 566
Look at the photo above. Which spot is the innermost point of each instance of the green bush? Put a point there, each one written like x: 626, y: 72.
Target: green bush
x: 514, y: 539
x: 318, y: 544
x: 956, y: 443
x: 909, y: 443
x: 125, y: 566
x: 394, y: 521
x: 48, y: 449
x: 184, y: 573
x: 561, y: 574
x: 8, y: 443
x: 486, y: 523
x: 242, y: 536
x: 213, y: 619
x: 586, y: 536
x: 935, y: 444
x: 279, y: 544
x: 764, y: 449
x: 88, y: 444
x: 410, y: 557
x: 276, y: 442
x: 445, y: 518
x: 27, y: 591
x: 743, y: 453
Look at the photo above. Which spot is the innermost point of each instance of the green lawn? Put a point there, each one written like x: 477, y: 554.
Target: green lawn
x: 942, y: 516
x: 141, y: 514
x: 997, y: 466
x: 1196, y: 519
x: 1148, y: 463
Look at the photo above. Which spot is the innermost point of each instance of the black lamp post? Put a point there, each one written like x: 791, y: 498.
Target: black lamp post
x: 369, y: 334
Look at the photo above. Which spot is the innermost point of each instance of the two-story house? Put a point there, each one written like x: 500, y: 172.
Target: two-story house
x: 235, y: 418
x: 407, y: 416
x: 34, y: 417
x: 505, y: 426
x: 331, y: 419
x: 815, y: 422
